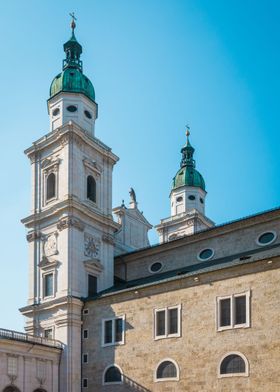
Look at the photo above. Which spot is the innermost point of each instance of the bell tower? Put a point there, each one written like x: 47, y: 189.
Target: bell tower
x: 72, y: 95
x: 70, y: 227
x: 187, y: 200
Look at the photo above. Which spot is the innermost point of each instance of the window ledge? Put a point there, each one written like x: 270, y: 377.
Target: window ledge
x: 238, y: 326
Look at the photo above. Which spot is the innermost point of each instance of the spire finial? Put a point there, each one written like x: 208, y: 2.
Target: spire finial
x: 73, y: 24
x: 187, y: 131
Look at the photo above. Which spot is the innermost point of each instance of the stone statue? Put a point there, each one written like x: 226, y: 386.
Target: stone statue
x: 132, y: 195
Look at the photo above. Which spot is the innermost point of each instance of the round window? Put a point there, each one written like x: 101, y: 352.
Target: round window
x: 205, y: 254
x: 72, y: 108
x: 156, y: 267
x: 55, y: 112
x: 266, y: 238
x: 191, y: 197
x: 88, y: 114
x: 201, y: 200
x: 179, y: 199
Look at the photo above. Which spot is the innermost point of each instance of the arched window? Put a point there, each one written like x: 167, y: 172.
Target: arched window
x: 234, y: 364
x: 167, y: 370
x: 11, y: 388
x: 91, y: 189
x: 50, y: 186
x: 40, y: 390
x: 112, y: 375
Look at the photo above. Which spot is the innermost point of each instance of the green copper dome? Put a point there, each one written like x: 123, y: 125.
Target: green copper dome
x: 72, y: 79
x: 187, y: 175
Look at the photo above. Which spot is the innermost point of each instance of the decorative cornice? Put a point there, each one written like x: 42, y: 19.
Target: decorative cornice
x: 94, y: 266
x: 69, y: 222
x: 68, y: 132
x: 92, y: 165
x: 34, y: 235
x: 109, y: 239
x: 46, y: 264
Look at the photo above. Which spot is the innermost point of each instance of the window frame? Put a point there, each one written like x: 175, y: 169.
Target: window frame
x: 95, y: 188
x: 245, y: 374
x: 166, y: 335
x: 268, y: 243
x: 83, y: 380
x: 208, y: 258
x: 232, y: 325
x: 177, y: 378
x: 12, y: 365
x: 44, y: 275
x: 49, y: 329
x: 114, y: 382
x: 113, y: 343
x: 85, y: 358
x: 85, y: 331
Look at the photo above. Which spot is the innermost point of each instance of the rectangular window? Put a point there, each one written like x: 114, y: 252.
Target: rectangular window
x: 167, y: 322
x: 48, y: 333
x: 225, y: 305
x: 113, y: 331
x: 85, y: 382
x: 12, y: 366
x: 85, y: 333
x: 41, y: 369
x: 48, y: 285
x: 92, y: 285
x: 85, y: 358
x: 233, y: 311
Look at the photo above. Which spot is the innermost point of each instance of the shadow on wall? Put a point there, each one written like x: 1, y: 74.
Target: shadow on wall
x: 130, y: 385
x: 103, y: 333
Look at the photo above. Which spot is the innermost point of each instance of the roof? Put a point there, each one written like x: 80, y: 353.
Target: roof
x: 183, y: 239
x: 247, y: 257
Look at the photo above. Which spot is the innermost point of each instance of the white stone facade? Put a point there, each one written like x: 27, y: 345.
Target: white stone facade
x: 27, y: 365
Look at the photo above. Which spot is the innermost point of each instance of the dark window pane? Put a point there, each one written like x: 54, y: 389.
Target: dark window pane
x: 48, y: 285
x: 225, y: 312
x: 91, y: 189
x: 85, y: 383
x: 233, y: 364
x: 172, y: 321
x: 108, y: 336
x: 166, y: 369
x: 85, y: 333
x: 72, y: 108
x: 48, y: 333
x: 92, y: 285
x: 266, y: 238
x: 240, y: 309
x: 118, y: 329
x: 51, y: 186
x: 156, y: 267
x: 160, y: 323
x: 113, y: 375
x: 206, y: 254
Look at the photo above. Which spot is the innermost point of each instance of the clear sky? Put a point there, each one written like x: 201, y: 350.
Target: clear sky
x: 156, y: 65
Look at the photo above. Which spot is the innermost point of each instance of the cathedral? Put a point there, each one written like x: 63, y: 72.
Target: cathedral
x: 107, y: 311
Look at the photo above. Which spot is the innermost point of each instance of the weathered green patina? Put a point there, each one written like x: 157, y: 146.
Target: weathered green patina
x: 72, y: 79
x: 187, y: 175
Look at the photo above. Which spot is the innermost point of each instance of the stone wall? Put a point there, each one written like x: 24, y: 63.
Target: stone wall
x: 200, y: 348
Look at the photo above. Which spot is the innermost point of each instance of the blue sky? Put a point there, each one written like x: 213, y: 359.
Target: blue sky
x: 156, y: 65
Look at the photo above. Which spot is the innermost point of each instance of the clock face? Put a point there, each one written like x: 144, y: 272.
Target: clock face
x: 91, y: 246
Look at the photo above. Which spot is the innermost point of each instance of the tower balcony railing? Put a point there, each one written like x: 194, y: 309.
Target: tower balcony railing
x: 24, y: 337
